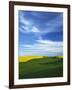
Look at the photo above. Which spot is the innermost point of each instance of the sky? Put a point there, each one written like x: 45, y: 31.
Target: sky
x: 40, y: 33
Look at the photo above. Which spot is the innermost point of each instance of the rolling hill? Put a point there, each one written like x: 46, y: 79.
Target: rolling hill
x: 40, y: 67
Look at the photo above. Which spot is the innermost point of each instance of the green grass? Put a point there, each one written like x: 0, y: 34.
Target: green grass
x: 41, y: 68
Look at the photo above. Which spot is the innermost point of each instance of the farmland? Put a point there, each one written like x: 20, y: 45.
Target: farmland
x: 40, y: 67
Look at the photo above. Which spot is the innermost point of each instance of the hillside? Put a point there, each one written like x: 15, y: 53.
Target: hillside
x: 28, y: 58
x: 41, y: 67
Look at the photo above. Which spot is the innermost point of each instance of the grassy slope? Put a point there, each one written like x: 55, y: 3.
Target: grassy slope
x: 41, y: 67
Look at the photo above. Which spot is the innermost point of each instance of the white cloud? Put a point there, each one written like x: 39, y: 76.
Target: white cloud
x: 29, y: 29
x: 27, y: 25
x: 23, y: 20
x: 30, y: 26
x: 43, y: 47
x: 49, y: 42
x: 35, y: 29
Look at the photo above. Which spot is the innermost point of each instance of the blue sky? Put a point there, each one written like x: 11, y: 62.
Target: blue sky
x: 40, y: 33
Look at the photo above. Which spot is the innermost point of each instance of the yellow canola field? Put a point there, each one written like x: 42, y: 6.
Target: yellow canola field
x: 27, y: 58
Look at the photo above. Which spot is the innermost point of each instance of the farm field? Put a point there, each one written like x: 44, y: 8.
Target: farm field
x: 40, y: 67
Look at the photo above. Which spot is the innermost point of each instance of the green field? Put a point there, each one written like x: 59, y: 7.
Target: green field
x: 41, y: 68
